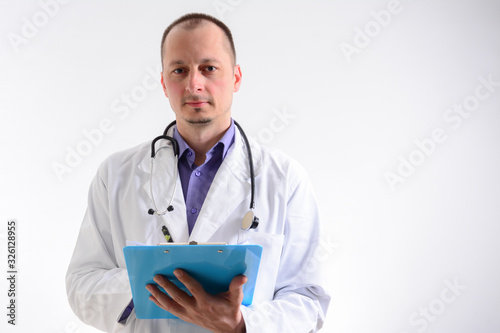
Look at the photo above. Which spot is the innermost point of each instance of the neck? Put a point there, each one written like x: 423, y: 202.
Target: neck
x: 201, y: 138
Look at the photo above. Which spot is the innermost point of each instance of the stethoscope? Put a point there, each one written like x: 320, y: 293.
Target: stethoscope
x: 250, y: 221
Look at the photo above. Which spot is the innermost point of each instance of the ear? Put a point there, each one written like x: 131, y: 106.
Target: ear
x: 237, y: 78
x: 163, y: 85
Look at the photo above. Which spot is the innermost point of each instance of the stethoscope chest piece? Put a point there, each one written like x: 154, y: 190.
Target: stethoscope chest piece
x: 250, y: 221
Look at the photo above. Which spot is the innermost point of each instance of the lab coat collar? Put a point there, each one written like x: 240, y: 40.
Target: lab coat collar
x: 231, y: 181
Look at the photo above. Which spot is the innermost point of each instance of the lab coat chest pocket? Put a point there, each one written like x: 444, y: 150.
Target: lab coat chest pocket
x: 272, y: 245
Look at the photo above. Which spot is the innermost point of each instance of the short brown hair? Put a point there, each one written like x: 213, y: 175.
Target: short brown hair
x: 193, y: 20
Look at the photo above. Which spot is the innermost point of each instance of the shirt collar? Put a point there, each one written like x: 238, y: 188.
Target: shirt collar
x: 226, y: 141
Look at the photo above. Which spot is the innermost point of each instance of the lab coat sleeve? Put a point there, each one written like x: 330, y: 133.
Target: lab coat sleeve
x: 98, y: 290
x: 300, y: 301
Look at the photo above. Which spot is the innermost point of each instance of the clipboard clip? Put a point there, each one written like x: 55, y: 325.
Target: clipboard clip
x: 195, y: 243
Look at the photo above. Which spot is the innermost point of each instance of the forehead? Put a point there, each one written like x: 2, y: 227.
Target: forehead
x: 206, y: 40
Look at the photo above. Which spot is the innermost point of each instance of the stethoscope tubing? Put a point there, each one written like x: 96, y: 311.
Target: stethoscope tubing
x: 252, y: 222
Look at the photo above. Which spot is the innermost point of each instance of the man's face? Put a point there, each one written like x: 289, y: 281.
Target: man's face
x: 198, y: 76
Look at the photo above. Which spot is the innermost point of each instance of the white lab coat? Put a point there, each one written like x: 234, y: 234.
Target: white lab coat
x: 289, y: 295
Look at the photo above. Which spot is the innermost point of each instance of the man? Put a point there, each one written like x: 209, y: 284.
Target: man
x: 199, y: 77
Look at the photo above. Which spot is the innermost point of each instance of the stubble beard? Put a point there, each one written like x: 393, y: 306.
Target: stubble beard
x: 199, y: 122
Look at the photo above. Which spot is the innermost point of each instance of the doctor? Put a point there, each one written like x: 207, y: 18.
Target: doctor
x: 199, y: 78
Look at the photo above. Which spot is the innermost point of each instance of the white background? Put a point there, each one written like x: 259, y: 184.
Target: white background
x: 393, y: 250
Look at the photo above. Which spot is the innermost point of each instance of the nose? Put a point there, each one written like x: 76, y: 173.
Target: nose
x: 195, y: 82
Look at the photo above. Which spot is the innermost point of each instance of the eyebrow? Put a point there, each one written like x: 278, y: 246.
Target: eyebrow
x: 207, y: 60
x: 203, y: 61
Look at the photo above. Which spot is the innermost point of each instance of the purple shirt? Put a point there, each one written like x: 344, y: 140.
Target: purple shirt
x: 196, y: 180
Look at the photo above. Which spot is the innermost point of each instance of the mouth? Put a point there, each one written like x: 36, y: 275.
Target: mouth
x: 197, y: 104
x: 196, y: 101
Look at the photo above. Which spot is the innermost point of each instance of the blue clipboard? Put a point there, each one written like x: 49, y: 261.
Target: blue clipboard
x: 214, y: 266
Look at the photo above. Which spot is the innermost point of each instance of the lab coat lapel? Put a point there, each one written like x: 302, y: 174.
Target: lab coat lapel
x: 226, y: 193
x: 231, y: 185
x: 163, y: 180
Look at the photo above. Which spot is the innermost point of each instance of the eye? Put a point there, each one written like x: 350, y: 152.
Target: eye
x: 178, y: 71
x: 210, y: 68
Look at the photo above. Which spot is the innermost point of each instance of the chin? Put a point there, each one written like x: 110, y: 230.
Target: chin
x: 199, y: 122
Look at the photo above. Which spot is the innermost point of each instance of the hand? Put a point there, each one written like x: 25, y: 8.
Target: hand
x: 218, y: 313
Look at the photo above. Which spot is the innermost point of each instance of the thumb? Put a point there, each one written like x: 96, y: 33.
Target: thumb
x: 236, y: 288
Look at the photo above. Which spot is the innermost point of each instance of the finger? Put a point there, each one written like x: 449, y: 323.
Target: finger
x: 237, y: 282
x: 191, y: 284
x: 154, y: 299
x: 235, y: 292
x: 163, y: 300
x: 176, y: 294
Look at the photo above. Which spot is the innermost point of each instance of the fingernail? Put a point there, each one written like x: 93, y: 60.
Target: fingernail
x: 178, y: 273
x: 156, y: 279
